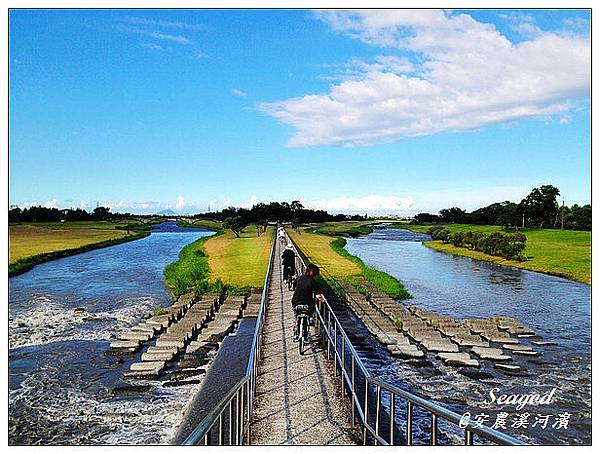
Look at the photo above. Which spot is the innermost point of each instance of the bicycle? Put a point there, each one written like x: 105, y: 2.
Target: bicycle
x: 302, y: 325
x: 289, y: 277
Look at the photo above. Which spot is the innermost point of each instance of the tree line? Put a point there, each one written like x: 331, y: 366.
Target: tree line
x: 43, y: 214
x: 539, y: 209
x: 508, y: 245
x: 237, y: 219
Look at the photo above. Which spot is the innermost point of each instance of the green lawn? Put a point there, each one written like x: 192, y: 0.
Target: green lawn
x: 34, y: 243
x: 202, y: 224
x: 329, y: 254
x: 29, y: 239
x: 240, y: 261
x: 352, y: 228
x: 565, y: 253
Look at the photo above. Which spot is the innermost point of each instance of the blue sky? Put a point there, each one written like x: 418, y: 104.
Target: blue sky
x: 395, y: 112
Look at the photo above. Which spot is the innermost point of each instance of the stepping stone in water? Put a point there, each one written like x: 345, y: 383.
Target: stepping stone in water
x: 125, y: 344
x: 150, y: 365
x: 162, y: 349
x: 509, y: 367
x: 170, y: 343
x: 544, y: 343
x: 517, y: 348
x: 147, y: 370
x: 526, y: 353
x: 458, y: 359
x: 493, y: 354
x: 139, y: 336
x: 163, y: 356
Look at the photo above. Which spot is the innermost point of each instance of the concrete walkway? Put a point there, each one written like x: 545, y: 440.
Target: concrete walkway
x: 296, y: 400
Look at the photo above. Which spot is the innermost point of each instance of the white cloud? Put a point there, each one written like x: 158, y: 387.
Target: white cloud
x: 464, y: 75
x: 238, y: 92
x: 83, y: 205
x: 180, y: 203
x: 53, y: 203
x: 163, y: 23
x: 172, y: 38
x: 28, y: 204
x: 369, y: 203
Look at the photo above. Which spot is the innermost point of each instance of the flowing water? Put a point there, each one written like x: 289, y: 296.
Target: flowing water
x: 557, y: 309
x: 62, y: 316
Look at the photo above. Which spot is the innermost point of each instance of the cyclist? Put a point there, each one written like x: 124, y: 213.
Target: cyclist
x: 281, y: 236
x: 305, y: 293
x: 288, y: 260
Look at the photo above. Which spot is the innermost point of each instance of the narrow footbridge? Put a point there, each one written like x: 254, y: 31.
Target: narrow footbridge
x: 325, y: 396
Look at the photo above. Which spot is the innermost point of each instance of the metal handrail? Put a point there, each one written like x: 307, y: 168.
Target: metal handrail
x: 332, y: 329
x: 239, y: 401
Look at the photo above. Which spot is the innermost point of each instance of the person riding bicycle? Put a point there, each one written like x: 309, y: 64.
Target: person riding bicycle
x: 305, y: 293
x: 288, y: 260
x: 281, y: 236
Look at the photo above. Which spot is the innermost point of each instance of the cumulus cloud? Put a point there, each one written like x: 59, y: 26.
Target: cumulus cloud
x: 180, y: 203
x: 238, y: 92
x: 462, y: 74
x: 83, y: 205
x: 53, y: 203
x: 369, y: 203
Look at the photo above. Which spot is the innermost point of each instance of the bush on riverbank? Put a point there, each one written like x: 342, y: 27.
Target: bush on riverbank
x: 383, y: 281
x: 507, y: 245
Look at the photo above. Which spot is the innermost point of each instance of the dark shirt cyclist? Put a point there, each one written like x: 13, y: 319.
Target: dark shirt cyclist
x: 288, y: 259
x: 306, y: 291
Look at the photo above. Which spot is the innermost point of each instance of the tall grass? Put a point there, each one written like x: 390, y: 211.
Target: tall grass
x: 382, y: 281
x: 190, y: 273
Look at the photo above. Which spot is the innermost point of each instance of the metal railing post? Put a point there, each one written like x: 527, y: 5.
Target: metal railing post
x: 392, y: 416
x: 377, y: 410
x: 409, y: 422
x: 433, y: 429
x: 468, y: 437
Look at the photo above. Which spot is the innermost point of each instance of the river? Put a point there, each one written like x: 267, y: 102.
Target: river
x: 557, y: 309
x: 62, y: 388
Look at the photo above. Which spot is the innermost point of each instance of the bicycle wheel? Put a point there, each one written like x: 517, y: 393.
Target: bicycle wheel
x: 301, y: 324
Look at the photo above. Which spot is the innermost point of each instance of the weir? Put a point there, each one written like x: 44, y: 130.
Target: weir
x: 326, y: 395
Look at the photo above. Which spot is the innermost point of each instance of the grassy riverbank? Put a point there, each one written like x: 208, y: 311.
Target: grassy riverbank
x: 33, y: 243
x: 329, y: 253
x: 221, y: 261
x: 349, y: 228
x: 243, y: 261
x: 565, y: 253
x: 207, y: 224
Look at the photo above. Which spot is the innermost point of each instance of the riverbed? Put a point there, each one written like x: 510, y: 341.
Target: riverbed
x: 62, y: 317
x: 557, y: 309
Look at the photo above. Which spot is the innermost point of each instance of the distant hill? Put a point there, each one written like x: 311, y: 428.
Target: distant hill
x: 167, y: 213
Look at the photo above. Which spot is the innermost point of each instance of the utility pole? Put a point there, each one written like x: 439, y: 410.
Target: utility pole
x: 562, y: 215
x: 523, y: 222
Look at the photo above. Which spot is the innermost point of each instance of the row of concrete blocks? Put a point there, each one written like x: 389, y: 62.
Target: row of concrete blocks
x: 423, y: 334
x: 177, y: 335
x: 459, y: 333
x: 144, y: 331
x: 196, y: 325
x: 383, y: 329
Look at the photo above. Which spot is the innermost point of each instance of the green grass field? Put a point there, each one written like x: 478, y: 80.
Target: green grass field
x: 26, y: 240
x: 565, y: 253
x: 329, y: 254
x: 240, y: 261
x: 352, y: 228
x: 34, y: 243
x: 208, y: 224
